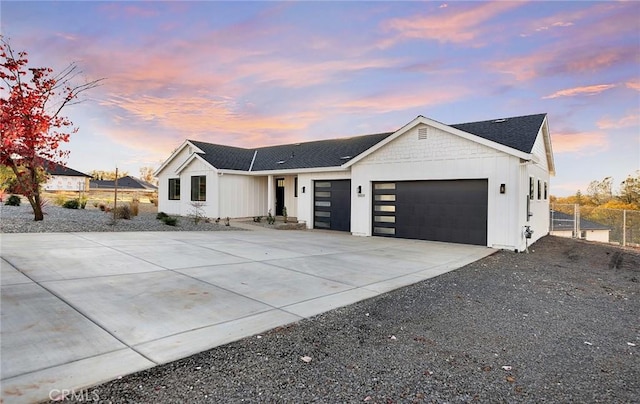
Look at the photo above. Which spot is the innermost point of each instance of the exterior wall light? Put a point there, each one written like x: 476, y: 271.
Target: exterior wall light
x: 359, y: 189
x: 303, y: 189
x: 503, y: 188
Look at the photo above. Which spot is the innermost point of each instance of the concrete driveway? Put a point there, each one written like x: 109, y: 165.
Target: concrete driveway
x: 79, y: 309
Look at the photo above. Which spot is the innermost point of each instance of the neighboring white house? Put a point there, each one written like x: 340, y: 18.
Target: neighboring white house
x: 61, y: 178
x: 476, y: 183
x: 564, y: 225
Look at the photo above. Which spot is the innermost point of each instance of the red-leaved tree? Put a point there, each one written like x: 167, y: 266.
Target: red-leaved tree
x: 32, y: 127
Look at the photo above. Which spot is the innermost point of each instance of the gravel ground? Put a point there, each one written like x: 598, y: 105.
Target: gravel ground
x: 19, y: 219
x: 561, y: 324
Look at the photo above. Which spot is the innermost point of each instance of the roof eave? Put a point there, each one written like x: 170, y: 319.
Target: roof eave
x: 551, y: 166
x: 290, y: 171
x: 188, y: 161
x: 174, y: 154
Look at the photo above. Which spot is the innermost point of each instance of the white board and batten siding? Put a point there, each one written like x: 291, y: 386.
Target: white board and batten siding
x: 538, y: 170
x: 442, y: 156
x: 184, y: 206
x: 241, y: 195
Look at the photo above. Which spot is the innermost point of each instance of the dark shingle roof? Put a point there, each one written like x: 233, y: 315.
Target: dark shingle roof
x: 225, y: 157
x: 321, y: 153
x: 518, y: 132
x: 58, y: 169
x: 564, y: 221
x: 123, y: 182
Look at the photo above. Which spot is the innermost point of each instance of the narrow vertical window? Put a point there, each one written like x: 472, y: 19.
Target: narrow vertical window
x: 531, y: 188
x: 539, y: 189
x: 199, y: 188
x: 546, y: 191
x: 295, y: 187
x: 174, y: 189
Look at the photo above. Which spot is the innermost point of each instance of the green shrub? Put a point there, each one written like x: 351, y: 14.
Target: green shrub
x: 123, y: 212
x: 83, y: 202
x: 13, y: 200
x: 170, y: 220
x: 161, y: 216
x: 59, y: 199
x: 71, y: 204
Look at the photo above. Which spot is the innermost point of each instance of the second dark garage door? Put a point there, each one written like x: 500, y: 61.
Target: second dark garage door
x: 449, y: 210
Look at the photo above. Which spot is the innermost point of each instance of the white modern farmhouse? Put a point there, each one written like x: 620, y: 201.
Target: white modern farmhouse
x: 481, y: 183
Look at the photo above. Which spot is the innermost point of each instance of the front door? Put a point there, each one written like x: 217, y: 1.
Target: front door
x: 279, y: 196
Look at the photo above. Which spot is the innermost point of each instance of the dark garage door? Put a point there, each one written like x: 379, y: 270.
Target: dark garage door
x: 332, y: 205
x: 452, y: 210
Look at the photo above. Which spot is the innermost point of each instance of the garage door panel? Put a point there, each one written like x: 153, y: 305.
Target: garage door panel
x: 450, y: 210
x: 332, y: 205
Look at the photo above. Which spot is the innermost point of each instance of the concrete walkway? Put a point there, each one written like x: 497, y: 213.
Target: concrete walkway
x: 79, y: 309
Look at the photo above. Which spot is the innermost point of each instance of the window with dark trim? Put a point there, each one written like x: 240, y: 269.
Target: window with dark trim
x: 546, y: 191
x: 174, y: 189
x: 539, y: 189
x: 531, y: 188
x: 199, y: 188
x: 295, y: 187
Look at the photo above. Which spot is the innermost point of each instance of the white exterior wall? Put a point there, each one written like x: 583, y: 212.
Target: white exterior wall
x: 66, y: 183
x: 242, y: 195
x: 183, y: 206
x: 305, y: 200
x: 539, y: 208
x: 164, y: 204
x: 210, y: 207
x: 290, y: 199
x: 442, y: 156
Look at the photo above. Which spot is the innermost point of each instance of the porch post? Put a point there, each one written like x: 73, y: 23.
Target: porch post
x: 271, y: 202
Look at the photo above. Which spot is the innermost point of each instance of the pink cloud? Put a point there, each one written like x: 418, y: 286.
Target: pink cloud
x: 579, y: 142
x: 402, y: 100
x: 594, y: 43
x: 633, y: 84
x: 561, y: 60
x: 297, y: 74
x: 584, y: 90
x: 192, y: 114
x: 632, y: 119
x: 462, y: 25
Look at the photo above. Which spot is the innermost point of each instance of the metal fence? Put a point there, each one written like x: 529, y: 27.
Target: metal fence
x: 614, y: 226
